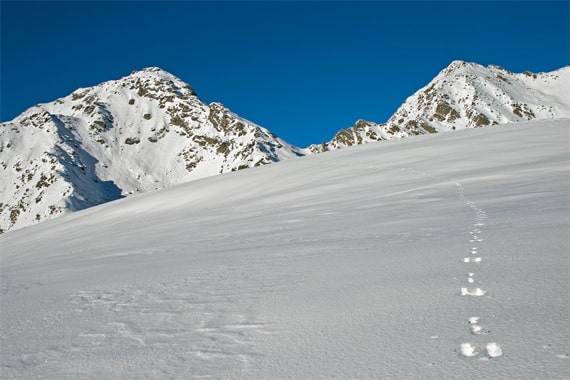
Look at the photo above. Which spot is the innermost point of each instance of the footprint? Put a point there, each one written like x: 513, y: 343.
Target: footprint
x: 475, y: 292
x: 476, y: 329
x: 474, y: 326
x: 472, y: 259
x: 468, y: 350
x: 494, y: 350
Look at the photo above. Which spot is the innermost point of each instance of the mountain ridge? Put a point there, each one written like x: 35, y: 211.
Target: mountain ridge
x: 143, y: 132
x: 466, y: 95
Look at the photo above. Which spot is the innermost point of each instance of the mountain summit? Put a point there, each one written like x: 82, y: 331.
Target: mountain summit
x: 467, y: 95
x: 143, y: 132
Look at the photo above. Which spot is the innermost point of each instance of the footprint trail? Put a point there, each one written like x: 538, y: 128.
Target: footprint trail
x: 470, y: 290
x: 469, y: 349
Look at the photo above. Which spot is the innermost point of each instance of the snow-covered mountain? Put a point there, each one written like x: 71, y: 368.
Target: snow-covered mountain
x: 434, y: 257
x: 143, y: 132
x: 467, y: 95
x: 150, y: 131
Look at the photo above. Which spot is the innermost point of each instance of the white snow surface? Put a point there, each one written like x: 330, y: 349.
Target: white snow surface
x: 347, y: 264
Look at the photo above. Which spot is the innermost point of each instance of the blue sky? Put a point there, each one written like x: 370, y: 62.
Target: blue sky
x: 304, y: 70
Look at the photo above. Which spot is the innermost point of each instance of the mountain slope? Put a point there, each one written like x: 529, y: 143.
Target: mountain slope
x: 431, y: 257
x: 143, y: 132
x: 467, y: 95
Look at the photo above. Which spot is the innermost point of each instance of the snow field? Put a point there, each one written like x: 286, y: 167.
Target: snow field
x: 349, y: 264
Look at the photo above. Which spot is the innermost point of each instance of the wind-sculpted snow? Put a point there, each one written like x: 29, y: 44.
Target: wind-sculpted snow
x: 439, y: 256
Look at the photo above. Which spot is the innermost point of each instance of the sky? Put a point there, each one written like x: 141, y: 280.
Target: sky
x: 303, y: 70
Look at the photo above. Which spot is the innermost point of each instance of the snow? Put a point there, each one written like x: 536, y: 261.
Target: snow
x: 346, y: 264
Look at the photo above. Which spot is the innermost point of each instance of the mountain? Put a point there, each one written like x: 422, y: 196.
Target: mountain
x: 143, y: 132
x: 434, y: 257
x: 467, y: 95
x: 150, y: 131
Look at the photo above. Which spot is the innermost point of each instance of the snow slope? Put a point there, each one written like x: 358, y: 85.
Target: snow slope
x: 467, y: 95
x: 438, y: 256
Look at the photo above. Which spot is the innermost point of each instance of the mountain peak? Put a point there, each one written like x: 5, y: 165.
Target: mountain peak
x: 151, y: 76
x: 467, y: 95
x: 459, y: 64
x: 143, y: 132
x: 153, y: 69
